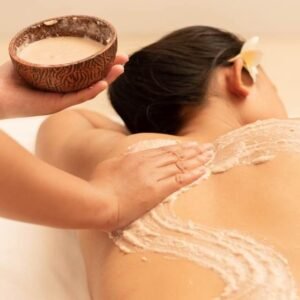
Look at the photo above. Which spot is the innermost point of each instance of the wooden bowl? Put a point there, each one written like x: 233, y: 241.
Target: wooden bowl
x: 67, y: 77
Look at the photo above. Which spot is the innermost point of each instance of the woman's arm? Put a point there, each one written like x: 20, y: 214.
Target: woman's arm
x: 80, y: 142
x: 33, y: 191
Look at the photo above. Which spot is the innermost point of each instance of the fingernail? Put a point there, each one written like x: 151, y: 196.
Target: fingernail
x: 209, y: 154
x: 206, y: 156
x: 200, y: 170
x: 92, y: 86
x: 207, y: 147
x: 98, y: 84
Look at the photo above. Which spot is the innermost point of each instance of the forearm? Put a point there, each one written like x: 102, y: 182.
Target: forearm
x: 132, y: 183
x: 36, y: 192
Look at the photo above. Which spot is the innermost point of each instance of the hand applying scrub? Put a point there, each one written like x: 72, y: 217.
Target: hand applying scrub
x: 34, y: 191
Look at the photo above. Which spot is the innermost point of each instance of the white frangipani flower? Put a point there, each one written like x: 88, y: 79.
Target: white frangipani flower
x: 251, y: 56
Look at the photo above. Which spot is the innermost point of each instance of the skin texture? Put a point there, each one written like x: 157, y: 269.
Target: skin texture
x: 131, y: 183
x: 251, y: 199
x: 33, y: 191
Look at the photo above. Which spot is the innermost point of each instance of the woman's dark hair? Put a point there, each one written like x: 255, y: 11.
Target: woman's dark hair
x: 166, y: 76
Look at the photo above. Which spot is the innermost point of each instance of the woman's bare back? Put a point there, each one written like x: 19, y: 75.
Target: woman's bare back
x: 233, y: 236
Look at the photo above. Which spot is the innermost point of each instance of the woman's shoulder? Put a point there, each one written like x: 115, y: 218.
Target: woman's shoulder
x: 143, y: 141
x: 150, y: 137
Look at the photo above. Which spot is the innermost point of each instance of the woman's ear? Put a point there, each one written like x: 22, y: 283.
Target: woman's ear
x: 239, y: 82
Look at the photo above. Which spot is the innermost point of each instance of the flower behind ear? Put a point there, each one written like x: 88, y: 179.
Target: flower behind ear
x: 251, y: 56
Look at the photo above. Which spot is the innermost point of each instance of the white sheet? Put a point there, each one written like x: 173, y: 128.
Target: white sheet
x: 38, y: 263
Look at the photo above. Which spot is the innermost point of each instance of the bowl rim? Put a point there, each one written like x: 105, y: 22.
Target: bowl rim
x: 14, y: 56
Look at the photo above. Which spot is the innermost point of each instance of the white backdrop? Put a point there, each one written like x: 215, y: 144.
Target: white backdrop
x: 152, y: 16
x: 35, y: 261
x: 139, y: 22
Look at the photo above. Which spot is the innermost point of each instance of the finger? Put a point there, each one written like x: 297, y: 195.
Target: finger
x: 172, y: 184
x: 177, y: 168
x: 78, y: 97
x: 91, y: 92
x: 162, y: 153
x: 121, y: 59
x: 116, y: 68
x: 206, y: 157
x: 186, y: 149
x: 169, y: 154
x: 175, y: 151
x: 187, y: 154
x: 168, y: 158
x: 114, y: 73
x: 172, y: 157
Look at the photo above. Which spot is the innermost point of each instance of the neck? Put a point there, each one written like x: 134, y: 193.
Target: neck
x: 216, y: 119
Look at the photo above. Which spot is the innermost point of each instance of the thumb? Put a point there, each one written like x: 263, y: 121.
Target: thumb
x: 78, y: 97
x: 91, y: 92
x: 69, y: 99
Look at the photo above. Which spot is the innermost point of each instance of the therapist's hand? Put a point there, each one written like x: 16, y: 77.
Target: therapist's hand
x: 17, y: 99
x: 134, y: 183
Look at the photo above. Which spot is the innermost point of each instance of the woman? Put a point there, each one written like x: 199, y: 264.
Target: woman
x: 35, y: 192
x: 235, y: 235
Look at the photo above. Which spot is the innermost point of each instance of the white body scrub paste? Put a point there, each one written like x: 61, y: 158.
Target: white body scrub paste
x: 59, y: 50
x: 250, y: 269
